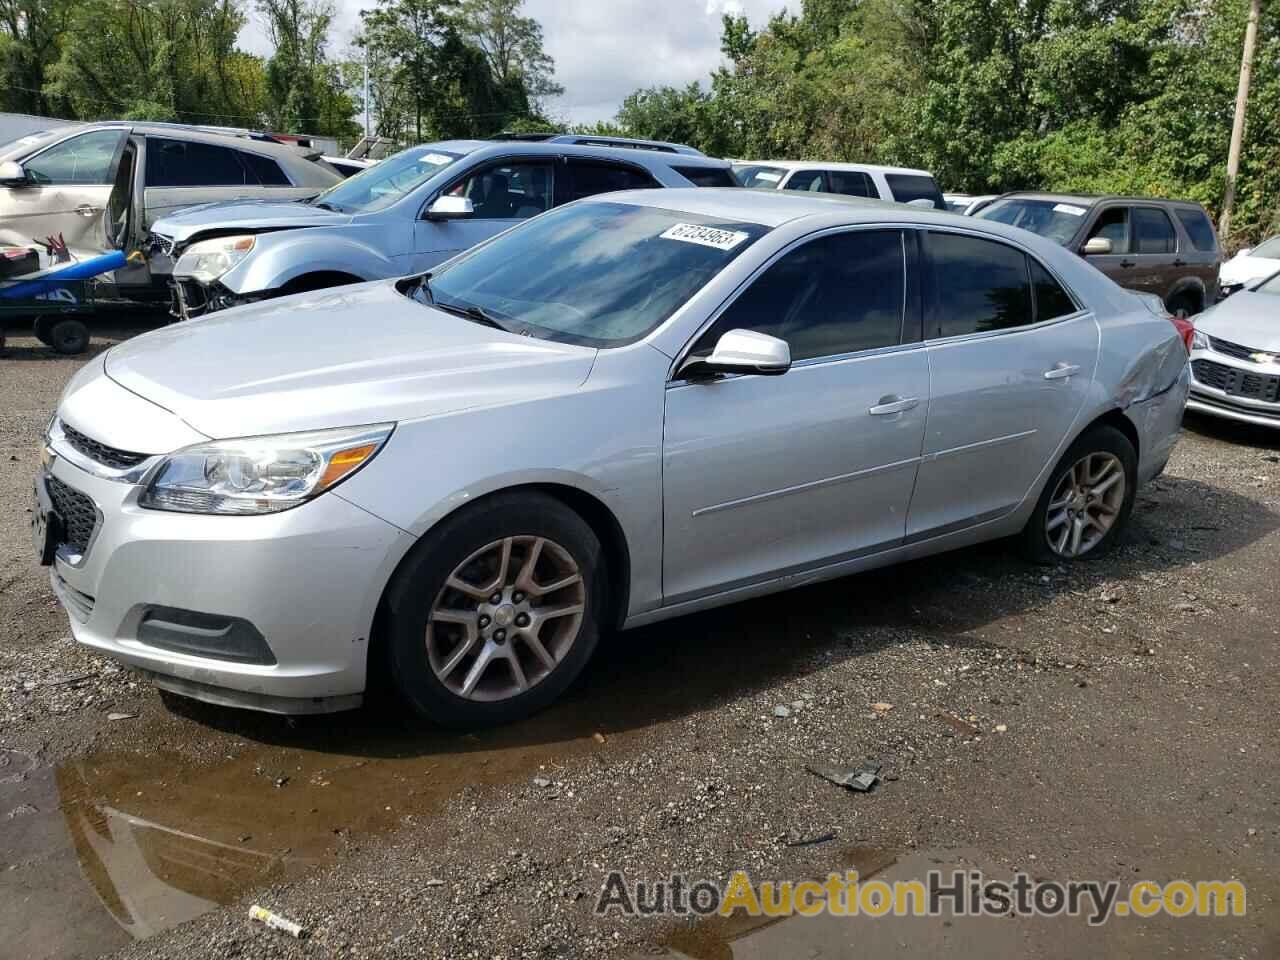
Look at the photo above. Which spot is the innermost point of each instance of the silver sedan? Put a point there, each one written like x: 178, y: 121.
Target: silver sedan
x: 627, y: 409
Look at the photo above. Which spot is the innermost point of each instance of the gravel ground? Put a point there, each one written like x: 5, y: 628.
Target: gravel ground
x: 1114, y: 720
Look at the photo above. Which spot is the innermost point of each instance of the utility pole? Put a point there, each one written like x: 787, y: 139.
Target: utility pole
x: 366, y: 91
x: 1237, y: 127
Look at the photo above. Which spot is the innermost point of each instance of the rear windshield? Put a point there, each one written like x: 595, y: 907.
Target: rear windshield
x: 1053, y: 219
x: 909, y: 186
x: 758, y: 175
x: 707, y: 176
x: 1198, y: 228
x: 597, y: 274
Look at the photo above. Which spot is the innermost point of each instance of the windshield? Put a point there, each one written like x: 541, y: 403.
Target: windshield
x: 595, y: 274
x: 1050, y: 218
x: 386, y: 182
x: 758, y: 176
x: 1271, y: 285
x: 1268, y: 249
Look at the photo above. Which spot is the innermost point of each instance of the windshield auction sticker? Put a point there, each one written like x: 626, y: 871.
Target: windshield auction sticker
x: 1069, y: 208
x: 704, y: 236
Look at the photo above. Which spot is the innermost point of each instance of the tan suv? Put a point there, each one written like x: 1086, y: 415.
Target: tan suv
x: 1165, y: 247
x: 102, y: 185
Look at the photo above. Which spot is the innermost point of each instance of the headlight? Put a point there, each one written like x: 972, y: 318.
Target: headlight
x: 1199, y: 341
x: 207, y: 260
x: 261, y: 474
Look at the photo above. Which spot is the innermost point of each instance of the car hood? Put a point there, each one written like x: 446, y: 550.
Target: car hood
x: 1247, y: 318
x: 1243, y: 269
x: 247, y: 215
x: 342, y: 357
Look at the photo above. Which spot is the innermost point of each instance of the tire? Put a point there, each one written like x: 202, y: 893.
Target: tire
x: 41, y: 328
x: 421, y: 648
x: 1104, y: 447
x: 1184, y: 305
x: 68, y: 337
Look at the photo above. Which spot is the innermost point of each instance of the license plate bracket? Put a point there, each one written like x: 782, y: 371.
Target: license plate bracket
x: 46, y: 527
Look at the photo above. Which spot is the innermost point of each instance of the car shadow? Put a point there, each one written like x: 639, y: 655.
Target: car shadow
x: 696, y: 663
x: 21, y: 344
x: 1232, y: 431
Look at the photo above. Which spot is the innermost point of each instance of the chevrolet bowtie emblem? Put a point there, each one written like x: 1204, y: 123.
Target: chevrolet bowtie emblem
x: 1262, y: 357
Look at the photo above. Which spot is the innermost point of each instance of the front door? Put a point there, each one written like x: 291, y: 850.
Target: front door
x: 69, y: 184
x: 769, y: 475
x: 1011, y: 359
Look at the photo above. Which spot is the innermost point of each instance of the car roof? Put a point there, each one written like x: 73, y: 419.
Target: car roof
x: 557, y: 148
x: 633, y: 143
x: 824, y: 165
x: 1089, y: 199
x: 769, y: 208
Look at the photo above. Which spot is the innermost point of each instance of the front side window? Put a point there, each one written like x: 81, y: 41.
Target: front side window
x: 758, y: 176
x: 86, y: 159
x: 834, y: 295
x: 1113, y: 225
x: 1199, y: 229
x: 1153, y: 231
x: 587, y: 178
x: 182, y: 163
x: 811, y: 180
x: 507, y: 191
x: 387, y: 181
x: 978, y: 286
x: 906, y: 187
x: 599, y: 274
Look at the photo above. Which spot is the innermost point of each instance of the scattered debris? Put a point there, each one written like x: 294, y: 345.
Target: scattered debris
x: 22, y: 810
x: 861, y: 778
x: 812, y: 841
x: 781, y: 711
x: 959, y: 726
x: 598, y: 737
x: 541, y: 782
x: 121, y: 716
x: 276, y: 922
x: 433, y: 883
x: 882, y: 707
x: 1001, y: 728
x: 63, y: 681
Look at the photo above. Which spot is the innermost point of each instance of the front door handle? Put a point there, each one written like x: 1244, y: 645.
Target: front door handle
x: 893, y: 404
x: 1061, y: 371
x: 85, y: 210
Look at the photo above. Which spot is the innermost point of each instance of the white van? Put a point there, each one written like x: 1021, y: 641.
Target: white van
x: 894, y: 184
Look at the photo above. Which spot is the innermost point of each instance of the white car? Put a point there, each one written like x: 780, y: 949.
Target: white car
x: 892, y: 184
x: 967, y: 204
x: 1250, y: 264
x: 1235, y: 357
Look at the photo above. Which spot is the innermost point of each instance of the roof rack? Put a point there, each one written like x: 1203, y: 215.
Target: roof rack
x: 586, y: 140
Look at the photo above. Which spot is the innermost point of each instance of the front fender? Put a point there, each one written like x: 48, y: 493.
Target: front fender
x: 278, y: 258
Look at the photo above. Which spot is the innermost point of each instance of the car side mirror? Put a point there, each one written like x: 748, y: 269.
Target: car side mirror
x: 12, y: 174
x: 1096, y: 246
x: 741, y: 351
x: 451, y: 208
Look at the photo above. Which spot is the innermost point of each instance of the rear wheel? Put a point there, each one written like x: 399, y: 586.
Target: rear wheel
x: 1184, y: 305
x: 1087, y: 501
x: 496, y: 612
x: 67, y: 336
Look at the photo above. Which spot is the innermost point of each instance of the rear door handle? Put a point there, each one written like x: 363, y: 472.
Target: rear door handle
x: 892, y: 404
x: 85, y: 210
x: 1179, y: 263
x: 1061, y: 371
x: 1128, y: 263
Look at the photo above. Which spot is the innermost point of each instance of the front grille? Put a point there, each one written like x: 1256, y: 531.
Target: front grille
x: 159, y: 244
x: 79, y: 515
x: 100, y: 452
x: 1236, y: 382
x: 1235, y: 349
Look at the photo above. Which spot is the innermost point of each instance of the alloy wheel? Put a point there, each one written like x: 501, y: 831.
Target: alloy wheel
x: 1085, y: 505
x: 506, y: 618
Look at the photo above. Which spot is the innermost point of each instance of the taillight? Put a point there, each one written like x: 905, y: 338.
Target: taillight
x: 1186, y: 330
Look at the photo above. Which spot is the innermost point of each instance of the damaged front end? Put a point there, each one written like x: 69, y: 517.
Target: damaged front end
x: 191, y: 298
x: 197, y: 270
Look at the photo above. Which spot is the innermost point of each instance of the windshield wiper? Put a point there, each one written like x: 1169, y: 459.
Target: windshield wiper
x: 325, y: 205
x: 471, y: 311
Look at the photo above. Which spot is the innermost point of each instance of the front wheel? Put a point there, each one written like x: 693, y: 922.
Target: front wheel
x: 1087, y: 501
x: 495, y: 612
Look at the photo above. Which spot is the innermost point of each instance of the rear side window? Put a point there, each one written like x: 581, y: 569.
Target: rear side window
x: 1051, y: 300
x: 852, y: 183
x: 1198, y: 228
x: 806, y: 180
x: 907, y: 187
x: 978, y: 286
x: 707, y: 176
x: 586, y: 179
x: 837, y: 294
x: 265, y: 170
x: 181, y: 163
x: 1153, y: 231
x: 757, y: 177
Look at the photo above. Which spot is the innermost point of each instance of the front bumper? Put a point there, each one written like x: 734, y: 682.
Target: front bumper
x: 1234, y: 389
x: 191, y: 298
x: 308, y: 580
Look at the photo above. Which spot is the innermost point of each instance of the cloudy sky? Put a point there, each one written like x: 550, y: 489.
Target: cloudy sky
x: 605, y: 49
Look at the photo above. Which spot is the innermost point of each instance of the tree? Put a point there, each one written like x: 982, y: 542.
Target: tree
x: 512, y: 46
x: 30, y: 33
x: 406, y: 39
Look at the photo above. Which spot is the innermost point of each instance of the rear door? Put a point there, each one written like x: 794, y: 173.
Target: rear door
x: 813, y: 181
x: 1198, y: 248
x: 1155, y: 252
x: 69, y: 184
x: 1011, y: 356
x: 769, y: 475
x: 183, y: 173
x: 851, y: 183
x: 907, y: 187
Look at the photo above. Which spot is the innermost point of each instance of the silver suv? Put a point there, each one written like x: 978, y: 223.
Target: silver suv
x: 102, y: 185
x: 405, y: 215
